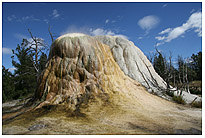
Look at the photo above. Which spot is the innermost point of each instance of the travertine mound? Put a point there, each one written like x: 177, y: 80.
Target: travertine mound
x: 81, y: 69
x: 104, y: 69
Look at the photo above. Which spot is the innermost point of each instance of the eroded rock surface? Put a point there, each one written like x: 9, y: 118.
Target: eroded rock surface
x: 134, y: 63
x: 79, y: 69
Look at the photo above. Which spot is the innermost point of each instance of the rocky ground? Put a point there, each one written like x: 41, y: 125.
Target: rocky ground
x: 123, y: 119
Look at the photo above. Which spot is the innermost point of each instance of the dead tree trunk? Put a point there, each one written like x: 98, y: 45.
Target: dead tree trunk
x: 187, y: 81
x: 36, y: 45
x: 174, y: 79
x: 184, y: 83
x: 51, y: 34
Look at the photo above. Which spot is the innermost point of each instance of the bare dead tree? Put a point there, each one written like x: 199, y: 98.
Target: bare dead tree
x: 151, y: 56
x: 183, y: 77
x: 169, y: 70
x: 51, y: 34
x: 179, y: 78
x: 186, y: 78
x: 183, y: 73
x: 174, y: 77
x: 179, y: 63
x: 142, y: 75
x: 153, y: 81
x: 35, y: 48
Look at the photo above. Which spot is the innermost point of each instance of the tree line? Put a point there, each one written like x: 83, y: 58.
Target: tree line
x: 183, y: 73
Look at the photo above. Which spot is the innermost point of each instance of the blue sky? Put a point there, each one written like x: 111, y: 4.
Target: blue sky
x: 172, y: 27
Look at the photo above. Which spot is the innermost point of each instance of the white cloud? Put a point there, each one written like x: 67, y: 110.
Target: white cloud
x: 193, y: 10
x: 176, y: 32
x: 12, y: 69
x: 32, y: 43
x: 121, y: 35
x: 20, y: 36
x: 158, y: 44
x: 11, y: 18
x: 22, y: 19
x: 7, y: 51
x: 107, y: 21
x: 160, y: 38
x: 148, y: 22
x: 46, y: 21
x: 140, y: 38
x: 29, y: 39
x: 165, y: 31
x: 100, y: 31
x: 165, y: 5
x: 27, y: 18
x: 55, y: 14
x: 194, y: 22
x: 91, y: 31
x: 75, y: 29
x: 109, y: 33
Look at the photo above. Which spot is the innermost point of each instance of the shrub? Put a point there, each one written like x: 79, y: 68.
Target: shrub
x: 178, y: 99
x: 195, y: 91
x: 197, y: 104
x: 170, y: 93
x: 4, y: 98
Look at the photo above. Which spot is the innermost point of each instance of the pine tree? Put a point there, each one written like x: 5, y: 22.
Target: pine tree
x: 197, y: 65
x: 8, y: 88
x: 25, y: 76
x: 159, y: 65
x: 42, y: 62
x: 28, y: 66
